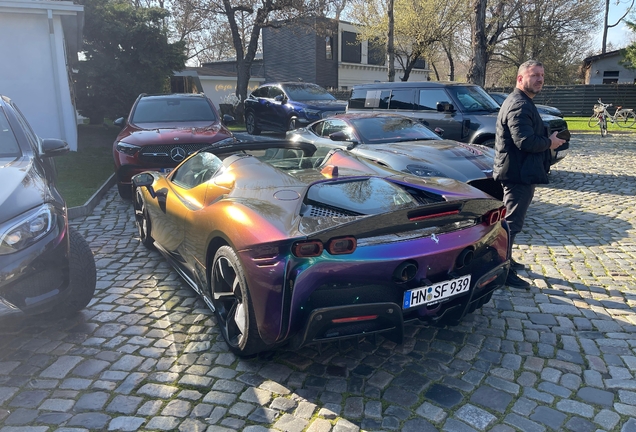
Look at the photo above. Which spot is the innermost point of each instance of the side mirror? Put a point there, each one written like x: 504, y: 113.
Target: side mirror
x: 339, y: 136
x: 144, y: 180
x: 445, y: 107
x: 228, y: 119
x: 280, y: 98
x: 439, y: 131
x: 120, y: 122
x: 54, y: 147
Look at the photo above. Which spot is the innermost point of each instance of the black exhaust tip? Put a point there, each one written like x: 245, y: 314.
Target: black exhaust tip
x: 465, y: 258
x: 405, y: 272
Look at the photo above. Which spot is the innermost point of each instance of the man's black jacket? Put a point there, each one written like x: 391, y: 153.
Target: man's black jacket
x: 522, y: 149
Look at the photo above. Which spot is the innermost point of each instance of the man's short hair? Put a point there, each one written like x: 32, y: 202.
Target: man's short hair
x: 527, y: 65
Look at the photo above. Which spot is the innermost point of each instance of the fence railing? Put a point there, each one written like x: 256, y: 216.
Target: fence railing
x: 572, y: 100
x: 578, y: 100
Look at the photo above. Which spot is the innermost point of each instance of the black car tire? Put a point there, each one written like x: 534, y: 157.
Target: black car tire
x: 125, y: 191
x: 142, y: 221
x: 250, y: 124
x: 233, y: 305
x: 82, y: 276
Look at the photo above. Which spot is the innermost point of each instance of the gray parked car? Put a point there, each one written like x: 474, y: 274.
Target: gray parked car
x: 405, y: 145
x: 543, y: 109
x: 464, y: 112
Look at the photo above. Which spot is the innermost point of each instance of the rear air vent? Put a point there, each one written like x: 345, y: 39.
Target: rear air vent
x: 321, y: 211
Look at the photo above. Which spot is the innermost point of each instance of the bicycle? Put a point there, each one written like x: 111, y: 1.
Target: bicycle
x: 623, y: 117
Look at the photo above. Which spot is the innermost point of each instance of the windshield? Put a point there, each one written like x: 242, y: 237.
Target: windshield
x: 381, y: 130
x: 304, y: 92
x: 473, y: 98
x: 362, y: 196
x: 8, y: 145
x: 171, y: 109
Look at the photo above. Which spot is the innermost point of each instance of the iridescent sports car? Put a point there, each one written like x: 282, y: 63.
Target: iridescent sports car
x: 289, y: 247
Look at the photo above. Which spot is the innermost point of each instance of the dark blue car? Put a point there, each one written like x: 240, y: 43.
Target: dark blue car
x: 286, y: 106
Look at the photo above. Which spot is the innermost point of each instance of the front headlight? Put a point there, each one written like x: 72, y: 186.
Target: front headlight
x: 26, y: 229
x: 424, y: 171
x: 129, y: 149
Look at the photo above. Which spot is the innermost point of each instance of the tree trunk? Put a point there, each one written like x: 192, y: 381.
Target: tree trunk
x: 390, y: 47
x: 242, y: 81
x: 477, y: 69
x: 435, y: 70
x: 451, y: 63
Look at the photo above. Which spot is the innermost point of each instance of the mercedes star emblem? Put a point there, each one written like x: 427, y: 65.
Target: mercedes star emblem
x: 177, y: 154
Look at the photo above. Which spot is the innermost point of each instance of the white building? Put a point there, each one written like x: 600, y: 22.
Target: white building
x: 606, y: 69
x: 40, y: 42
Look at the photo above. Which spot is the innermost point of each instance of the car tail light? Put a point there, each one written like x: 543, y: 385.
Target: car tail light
x: 494, y: 216
x: 307, y: 249
x: 354, y: 319
x: 342, y: 245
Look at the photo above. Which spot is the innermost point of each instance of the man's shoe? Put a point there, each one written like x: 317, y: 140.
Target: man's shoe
x: 514, y: 281
x: 516, y: 265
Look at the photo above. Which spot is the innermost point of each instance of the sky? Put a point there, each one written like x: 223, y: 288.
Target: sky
x: 620, y: 36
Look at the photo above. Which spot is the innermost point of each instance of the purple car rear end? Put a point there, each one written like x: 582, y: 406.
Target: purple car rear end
x: 326, y: 298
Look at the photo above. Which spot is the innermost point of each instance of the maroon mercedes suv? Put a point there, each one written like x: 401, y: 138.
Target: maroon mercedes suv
x: 161, y: 131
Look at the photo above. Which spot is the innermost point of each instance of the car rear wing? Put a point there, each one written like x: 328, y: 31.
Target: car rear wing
x: 446, y: 216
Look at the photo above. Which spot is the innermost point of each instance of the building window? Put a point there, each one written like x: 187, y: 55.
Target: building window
x: 420, y: 63
x: 377, y: 52
x: 351, y: 48
x: 329, y: 48
x: 608, y: 74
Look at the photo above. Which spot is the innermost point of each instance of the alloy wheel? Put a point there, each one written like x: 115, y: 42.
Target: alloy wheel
x: 228, y: 301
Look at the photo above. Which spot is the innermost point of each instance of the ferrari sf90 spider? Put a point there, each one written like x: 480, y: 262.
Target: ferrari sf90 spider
x: 288, y: 247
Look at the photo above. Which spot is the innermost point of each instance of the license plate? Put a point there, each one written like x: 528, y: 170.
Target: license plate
x: 561, y: 154
x: 436, y: 293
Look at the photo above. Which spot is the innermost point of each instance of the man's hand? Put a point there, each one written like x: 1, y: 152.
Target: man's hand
x: 554, y: 141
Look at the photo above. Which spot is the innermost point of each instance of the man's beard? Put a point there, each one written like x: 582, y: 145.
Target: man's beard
x: 528, y: 89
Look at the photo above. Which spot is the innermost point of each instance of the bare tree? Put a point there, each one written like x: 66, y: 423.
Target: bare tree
x: 550, y: 31
x: 607, y: 26
x: 489, y: 24
x: 420, y: 26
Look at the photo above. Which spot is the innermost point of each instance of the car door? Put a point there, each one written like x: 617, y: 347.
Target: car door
x: 258, y: 103
x: 429, y: 99
x: 184, y: 192
x: 278, y: 109
x: 190, y: 184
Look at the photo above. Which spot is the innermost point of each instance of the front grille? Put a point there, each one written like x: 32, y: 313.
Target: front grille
x: 160, y: 154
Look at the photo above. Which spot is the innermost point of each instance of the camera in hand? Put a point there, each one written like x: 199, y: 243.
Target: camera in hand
x: 564, y: 135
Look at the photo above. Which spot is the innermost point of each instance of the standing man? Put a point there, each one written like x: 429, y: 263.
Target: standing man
x: 522, y: 153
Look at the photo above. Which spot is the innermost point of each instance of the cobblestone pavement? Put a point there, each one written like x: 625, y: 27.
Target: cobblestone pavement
x: 147, y: 355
